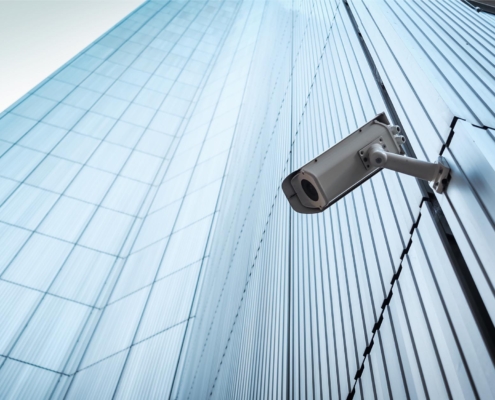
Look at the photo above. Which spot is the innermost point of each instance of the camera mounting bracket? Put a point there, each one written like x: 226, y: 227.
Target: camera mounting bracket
x: 375, y: 155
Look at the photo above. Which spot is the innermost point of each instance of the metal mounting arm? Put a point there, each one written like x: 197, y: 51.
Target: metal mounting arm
x: 438, y: 173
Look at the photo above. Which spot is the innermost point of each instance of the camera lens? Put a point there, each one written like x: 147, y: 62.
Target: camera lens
x: 310, y: 190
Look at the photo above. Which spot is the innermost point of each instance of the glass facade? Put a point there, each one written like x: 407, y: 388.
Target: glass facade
x: 147, y: 250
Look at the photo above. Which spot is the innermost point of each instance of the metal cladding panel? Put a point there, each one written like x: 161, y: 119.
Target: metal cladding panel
x: 435, y: 62
x: 470, y: 203
x: 455, y: 47
x: 424, y: 114
x: 373, y: 302
x: 460, y: 349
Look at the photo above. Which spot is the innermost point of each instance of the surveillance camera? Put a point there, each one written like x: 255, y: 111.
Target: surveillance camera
x: 354, y: 160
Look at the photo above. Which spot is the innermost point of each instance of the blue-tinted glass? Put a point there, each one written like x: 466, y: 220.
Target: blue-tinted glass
x: 174, y: 105
x: 100, y: 51
x: 110, y: 106
x: 110, y: 69
x: 122, y: 32
x: 95, y: 125
x: 184, y: 91
x: 157, y: 226
x: 159, y: 84
x: 146, y: 261
x: 96, y: 82
x: 150, y: 98
x: 166, y: 123
x: 54, y: 174
x: 90, y: 185
x: 142, y: 167
x: 154, y: 54
x: 176, y: 258
x: 99, y: 380
x: 176, y: 291
x: 38, y: 262
x: 145, y: 65
x: 161, y: 352
x: 4, y: 146
x: 34, y: 107
x: 135, y: 76
x: 109, y: 157
x: 13, y: 127
x: 82, y: 98
x: 18, y: 162
x: 111, y: 41
x: 17, y: 305
x: 125, y: 134
x: 64, y: 116
x: 55, y: 324
x: 126, y: 196
x: 107, y: 231
x: 11, y: 240
x: 113, y: 334
x: 191, y: 212
x: 70, y: 75
x: 7, y: 187
x: 138, y: 114
x: 57, y: 89
x: 76, y: 147
x: 83, y: 275
x: 155, y: 143
x: 122, y: 58
x: 123, y: 90
x: 19, y: 380
x: 88, y: 61
x: 67, y: 219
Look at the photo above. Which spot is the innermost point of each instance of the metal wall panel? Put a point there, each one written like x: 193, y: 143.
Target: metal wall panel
x: 437, y: 61
x: 469, y: 203
x: 379, y: 241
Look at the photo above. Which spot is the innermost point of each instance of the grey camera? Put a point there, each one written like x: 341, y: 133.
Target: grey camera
x: 351, y: 162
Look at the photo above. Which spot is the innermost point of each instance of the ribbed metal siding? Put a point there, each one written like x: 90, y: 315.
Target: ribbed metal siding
x: 341, y: 263
x: 437, y: 62
x: 470, y: 203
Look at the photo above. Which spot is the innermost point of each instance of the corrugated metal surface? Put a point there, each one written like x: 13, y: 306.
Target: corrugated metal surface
x: 292, y: 301
x: 437, y: 62
x: 470, y: 201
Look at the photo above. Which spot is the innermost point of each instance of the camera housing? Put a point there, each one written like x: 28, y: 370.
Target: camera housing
x: 351, y: 162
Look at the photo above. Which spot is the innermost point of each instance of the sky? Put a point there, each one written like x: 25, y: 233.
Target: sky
x: 37, y: 37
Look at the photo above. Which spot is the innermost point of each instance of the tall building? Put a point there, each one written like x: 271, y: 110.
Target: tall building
x: 147, y: 250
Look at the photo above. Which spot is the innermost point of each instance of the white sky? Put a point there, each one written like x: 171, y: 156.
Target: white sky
x: 38, y: 36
